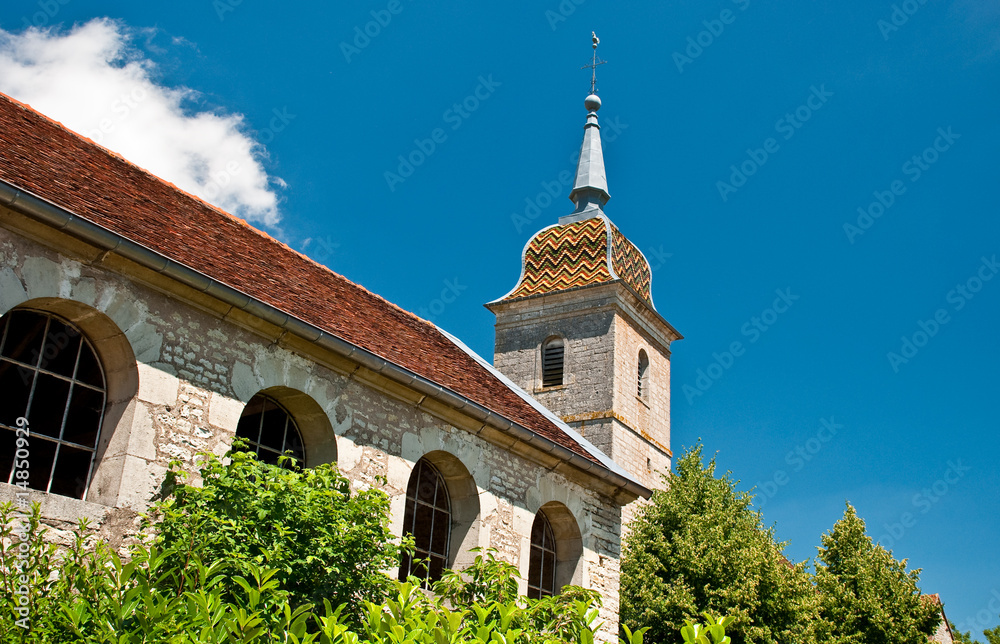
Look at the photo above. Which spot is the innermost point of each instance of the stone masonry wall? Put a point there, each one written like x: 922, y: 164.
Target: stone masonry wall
x: 588, y: 363
x: 195, y: 371
x: 644, y: 444
x: 601, y: 372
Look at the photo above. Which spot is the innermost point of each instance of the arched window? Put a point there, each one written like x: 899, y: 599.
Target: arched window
x: 51, y: 376
x: 642, y: 385
x: 428, y: 519
x: 270, y: 430
x: 553, y: 354
x: 542, y: 561
x: 555, y: 558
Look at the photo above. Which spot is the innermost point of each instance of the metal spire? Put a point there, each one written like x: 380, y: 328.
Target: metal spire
x: 590, y: 190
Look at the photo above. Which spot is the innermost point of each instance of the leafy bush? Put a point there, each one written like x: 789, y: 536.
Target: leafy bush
x: 322, y: 541
x: 713, y: 631
x: 88, y: 594
x: 244, y: 559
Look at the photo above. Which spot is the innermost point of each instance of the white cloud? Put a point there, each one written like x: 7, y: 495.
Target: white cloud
x: 97, y: 83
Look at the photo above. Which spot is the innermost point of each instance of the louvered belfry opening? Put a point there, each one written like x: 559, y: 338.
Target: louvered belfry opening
x: 642, y: 383
x: 552, y: 363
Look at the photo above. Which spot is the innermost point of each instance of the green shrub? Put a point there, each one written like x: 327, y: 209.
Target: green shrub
x: 239, y: 560
x: 323, y: 541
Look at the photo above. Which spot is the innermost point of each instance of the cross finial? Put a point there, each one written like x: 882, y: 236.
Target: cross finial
x: 593, y: 65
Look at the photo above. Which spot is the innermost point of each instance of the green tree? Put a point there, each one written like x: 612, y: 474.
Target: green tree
x: 992, y: 636
x: 868, y: 596
x: 698, y: 546
x: 325, y: 542
x: 962, y: 638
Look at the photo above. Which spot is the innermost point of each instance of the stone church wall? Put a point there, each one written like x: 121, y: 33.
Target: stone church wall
x: 182, y: 370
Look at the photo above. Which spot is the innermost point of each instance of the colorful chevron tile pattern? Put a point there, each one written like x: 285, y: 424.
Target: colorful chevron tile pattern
x: 630, y: 265
x: 576, y: 254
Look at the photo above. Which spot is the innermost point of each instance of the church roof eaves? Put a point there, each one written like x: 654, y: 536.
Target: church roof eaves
x: 67, y: 178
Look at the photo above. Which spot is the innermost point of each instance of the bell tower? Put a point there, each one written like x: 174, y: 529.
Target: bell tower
x: 579, y: 330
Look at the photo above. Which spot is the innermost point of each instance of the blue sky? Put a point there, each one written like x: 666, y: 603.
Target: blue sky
x: 741, y: 140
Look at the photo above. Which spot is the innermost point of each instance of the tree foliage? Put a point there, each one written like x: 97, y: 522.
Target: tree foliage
x: 867, y: 595
x: 992, y: 636
x: 698, y: 546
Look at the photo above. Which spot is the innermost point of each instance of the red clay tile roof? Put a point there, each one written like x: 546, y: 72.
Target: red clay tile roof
x: 40, y: 156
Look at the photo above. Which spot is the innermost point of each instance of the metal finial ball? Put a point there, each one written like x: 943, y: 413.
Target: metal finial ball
x: 592, y: 103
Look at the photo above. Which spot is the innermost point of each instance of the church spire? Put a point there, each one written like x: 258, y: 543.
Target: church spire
x: 590, y: 190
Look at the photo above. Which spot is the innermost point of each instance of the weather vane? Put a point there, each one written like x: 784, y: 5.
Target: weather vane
x: 593, y: 65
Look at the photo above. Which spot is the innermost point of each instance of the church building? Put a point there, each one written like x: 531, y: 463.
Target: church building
x: 142, y: 325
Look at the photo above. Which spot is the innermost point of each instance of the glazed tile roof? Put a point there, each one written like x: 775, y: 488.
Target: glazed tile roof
x: 581, y: 253
x: 42, y: 157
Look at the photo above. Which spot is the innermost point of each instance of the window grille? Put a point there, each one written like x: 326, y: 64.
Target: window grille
x: 428, y: 519
x: 542, y: 562
x: 51, y: 376
x: 270, y: 431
